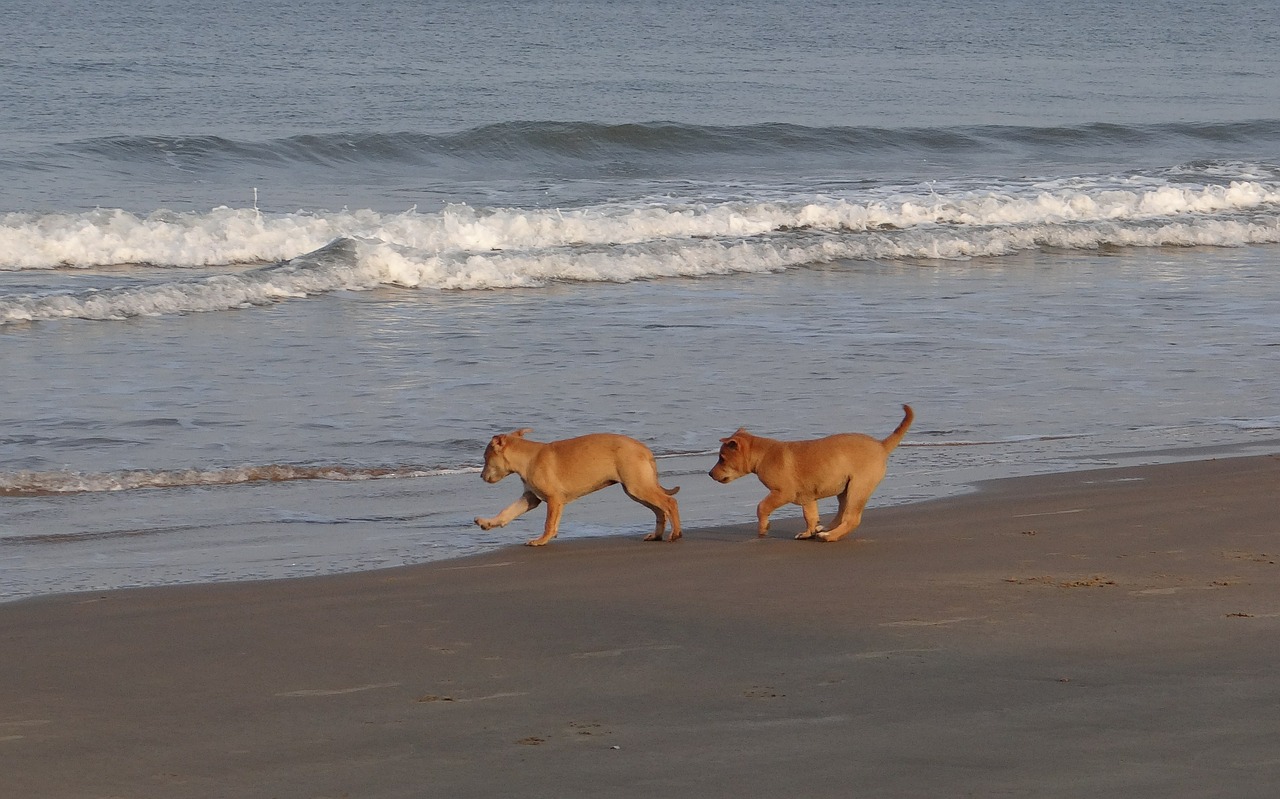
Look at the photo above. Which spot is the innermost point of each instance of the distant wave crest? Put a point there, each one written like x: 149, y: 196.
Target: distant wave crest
x: 540, y: 142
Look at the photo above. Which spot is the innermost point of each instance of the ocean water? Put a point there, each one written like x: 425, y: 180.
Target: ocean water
x: 271, y: 275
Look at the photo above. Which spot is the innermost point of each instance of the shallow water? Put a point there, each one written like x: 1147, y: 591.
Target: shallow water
x: 266, y: 290
x: 1125, y: 357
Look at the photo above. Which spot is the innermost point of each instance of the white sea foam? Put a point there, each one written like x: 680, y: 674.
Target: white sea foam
x: 230, y: 236
x: 110, y: 236
x: 461, y: 247
x: 1261, y: 423
x: 67, y: 482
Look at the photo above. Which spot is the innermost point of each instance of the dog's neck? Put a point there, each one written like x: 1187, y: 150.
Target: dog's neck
x: 520, y: 452
x: 757, y: 447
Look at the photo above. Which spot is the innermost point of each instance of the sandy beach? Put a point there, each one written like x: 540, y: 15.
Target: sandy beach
x: 1110, y: 632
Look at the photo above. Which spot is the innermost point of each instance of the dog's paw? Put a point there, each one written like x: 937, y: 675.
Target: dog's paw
x: 803, y: 534
x: 535, y: 542
x: 485, y: 524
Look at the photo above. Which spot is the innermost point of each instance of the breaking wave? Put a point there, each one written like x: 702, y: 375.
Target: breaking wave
x: 233, y: 258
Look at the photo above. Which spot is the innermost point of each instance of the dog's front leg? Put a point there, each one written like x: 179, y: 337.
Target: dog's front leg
x: 767, y: 506
x: 555, y: 507
x: 527, y: 502
x: 812, y: 521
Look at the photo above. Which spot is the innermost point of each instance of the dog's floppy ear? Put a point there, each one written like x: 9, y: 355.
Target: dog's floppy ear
x: 730, y: 442
x: 499, y: 441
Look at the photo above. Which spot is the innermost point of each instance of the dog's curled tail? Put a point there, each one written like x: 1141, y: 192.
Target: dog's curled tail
x: 670, y: 491
x: 895, y: 438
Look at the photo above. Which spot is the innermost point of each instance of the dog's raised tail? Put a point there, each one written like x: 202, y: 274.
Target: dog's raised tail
x: 895, y: 438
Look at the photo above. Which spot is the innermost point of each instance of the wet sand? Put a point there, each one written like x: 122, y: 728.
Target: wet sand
x: 1112, y: 632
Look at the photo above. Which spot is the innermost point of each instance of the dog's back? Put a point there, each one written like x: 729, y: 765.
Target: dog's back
x: 597, y: 457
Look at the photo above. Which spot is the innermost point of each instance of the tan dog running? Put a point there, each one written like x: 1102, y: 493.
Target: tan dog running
x: 848, y: 465
x: 561, y: 471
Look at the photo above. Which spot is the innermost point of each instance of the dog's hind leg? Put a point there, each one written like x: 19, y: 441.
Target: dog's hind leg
x: 672, y: 509
x: 664, y: 508
x: 847, y: 520
x: 527, y: 502
x: 660, y: 527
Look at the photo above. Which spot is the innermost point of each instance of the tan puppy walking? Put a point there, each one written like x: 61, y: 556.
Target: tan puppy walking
x: 559, y: 472
x: 848, y: 465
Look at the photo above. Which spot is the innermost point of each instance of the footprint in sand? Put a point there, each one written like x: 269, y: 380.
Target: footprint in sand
x: 339, y: 691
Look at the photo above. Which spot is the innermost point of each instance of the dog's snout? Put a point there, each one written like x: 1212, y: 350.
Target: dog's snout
x: 719, y: 472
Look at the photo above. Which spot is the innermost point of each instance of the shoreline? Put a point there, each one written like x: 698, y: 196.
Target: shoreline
x: 597, y: 511
x: 1054, y: 635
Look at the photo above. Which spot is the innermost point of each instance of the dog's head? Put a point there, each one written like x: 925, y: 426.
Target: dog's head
x: 733, y: 462
x: 496, y: 463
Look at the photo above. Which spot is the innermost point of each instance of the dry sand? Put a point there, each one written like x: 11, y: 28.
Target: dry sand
x: 1107, y: 633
